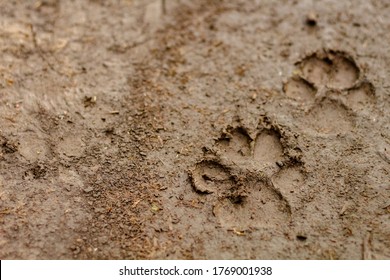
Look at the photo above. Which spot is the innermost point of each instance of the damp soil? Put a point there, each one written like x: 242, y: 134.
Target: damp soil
x: 198, y: 130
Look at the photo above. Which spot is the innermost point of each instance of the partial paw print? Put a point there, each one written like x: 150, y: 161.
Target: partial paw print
x: 333, y: 89
x: 248, y: 179
x: 260, y: 151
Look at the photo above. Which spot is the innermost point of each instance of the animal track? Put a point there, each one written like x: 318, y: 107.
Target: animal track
x: 260, y: 153
x: 235, y: 143
x: 260, y: 206
x: 267, y: 147
x: 248, y: 177
x: 299, y: 89
x: 210, y: 176
x: 333, y: 88
x: 236, y: 178
x: 330, y: 69
x: 328, y: 118
x: 361, y: 97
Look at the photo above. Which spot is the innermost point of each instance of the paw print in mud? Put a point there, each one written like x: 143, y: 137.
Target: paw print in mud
x: 251, y: 178
x: 246, y: 179
x: 333, y: 90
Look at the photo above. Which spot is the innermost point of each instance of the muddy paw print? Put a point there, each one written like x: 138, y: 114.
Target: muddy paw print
x: 247, y: 179
x: 333, y: 88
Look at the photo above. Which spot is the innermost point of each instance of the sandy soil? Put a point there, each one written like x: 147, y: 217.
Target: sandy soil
x: 218, y: 130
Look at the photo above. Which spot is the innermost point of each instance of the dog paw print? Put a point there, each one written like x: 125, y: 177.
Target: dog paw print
x: 333, y: 89
x: 247, y: 179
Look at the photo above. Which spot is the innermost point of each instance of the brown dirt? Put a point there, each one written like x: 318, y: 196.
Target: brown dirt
x: 219, y: 130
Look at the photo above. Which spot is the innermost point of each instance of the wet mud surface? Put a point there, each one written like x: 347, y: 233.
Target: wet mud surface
x: 215, y: 130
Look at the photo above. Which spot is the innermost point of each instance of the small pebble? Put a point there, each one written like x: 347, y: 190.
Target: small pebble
x: 88, y: 190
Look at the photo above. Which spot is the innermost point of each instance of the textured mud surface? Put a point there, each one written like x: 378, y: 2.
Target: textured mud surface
x: 218, y: 130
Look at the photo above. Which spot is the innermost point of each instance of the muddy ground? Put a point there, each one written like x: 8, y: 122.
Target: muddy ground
x: 216, y: 130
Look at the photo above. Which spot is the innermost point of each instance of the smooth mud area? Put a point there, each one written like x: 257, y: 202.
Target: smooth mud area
x: 195, y: 130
